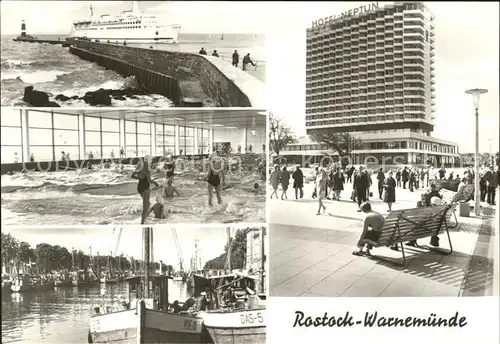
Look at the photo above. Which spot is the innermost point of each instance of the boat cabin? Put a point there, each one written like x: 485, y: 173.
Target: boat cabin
x: 157, y: 298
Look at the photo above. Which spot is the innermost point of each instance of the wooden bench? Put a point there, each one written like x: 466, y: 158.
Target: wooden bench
x: 413, y: 224
x: 465, y: 194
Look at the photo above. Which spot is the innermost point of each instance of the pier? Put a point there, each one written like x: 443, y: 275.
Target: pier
x: 64, y: 43
x: 190, y: 80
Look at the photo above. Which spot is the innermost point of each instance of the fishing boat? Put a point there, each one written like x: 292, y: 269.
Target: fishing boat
x: 6, y: 284
x: 144, y: 318
x: 24, y: 283
x: 83, y: 278
x: 129, y: 26
x: 241, y: 313
x: 63, y: 279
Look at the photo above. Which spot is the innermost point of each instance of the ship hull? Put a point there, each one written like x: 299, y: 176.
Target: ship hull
x: 238, y: 327
x: 63, y: 283
x: 16, y: 288
x: 168, y: 34
x: 157, y: 327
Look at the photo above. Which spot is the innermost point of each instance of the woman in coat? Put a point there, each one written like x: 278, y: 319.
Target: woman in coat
x: 285, y: 181
x: 338, y: 183
x: 298, y: 182
x: 274, y: 178
x: 321, y: 181
x: 390, y: 191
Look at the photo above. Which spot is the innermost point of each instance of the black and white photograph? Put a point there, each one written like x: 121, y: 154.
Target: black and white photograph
x: 147, y: 166
x: 132, y: 54
x: 134, y: 285
x: 383, y: 177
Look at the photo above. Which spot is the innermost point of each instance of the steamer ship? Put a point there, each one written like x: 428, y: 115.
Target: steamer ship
x: 131, y: 26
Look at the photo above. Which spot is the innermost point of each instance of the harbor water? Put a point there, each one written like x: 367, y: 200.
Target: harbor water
x: 61, y: 315
x: 109, y: 196
x: 53, y: 69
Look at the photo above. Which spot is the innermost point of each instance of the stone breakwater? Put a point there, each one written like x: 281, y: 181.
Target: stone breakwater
x: 187, y: 79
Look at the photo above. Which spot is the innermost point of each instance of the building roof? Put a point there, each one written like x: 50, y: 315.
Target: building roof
x: 202, y: 118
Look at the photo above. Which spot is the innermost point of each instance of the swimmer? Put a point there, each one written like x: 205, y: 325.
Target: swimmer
x: 143, y: 175
x: 255, y: 188
x: 158, y: 208
x: 169, y: 190
x: 213, y: 177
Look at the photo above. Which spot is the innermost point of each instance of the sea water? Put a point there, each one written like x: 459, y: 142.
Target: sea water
x: 53, y: 69
x: 109, y: 196
x: 61, y: 315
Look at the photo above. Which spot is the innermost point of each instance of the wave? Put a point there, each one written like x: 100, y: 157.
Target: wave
x: 33, y: 77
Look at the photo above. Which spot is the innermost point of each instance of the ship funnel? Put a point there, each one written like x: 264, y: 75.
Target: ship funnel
x: 23, y: 29
x: 135, y: 7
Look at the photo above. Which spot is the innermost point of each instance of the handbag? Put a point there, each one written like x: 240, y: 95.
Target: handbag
x: 371, y: 194
x: 434, y: 241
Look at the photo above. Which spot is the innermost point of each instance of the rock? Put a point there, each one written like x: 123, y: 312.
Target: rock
x: 74, y: 97
x: 119, y: 98
x: 99, y: 97
x: 62, y: 97
x: 36, y: 98
x: 52, y: 104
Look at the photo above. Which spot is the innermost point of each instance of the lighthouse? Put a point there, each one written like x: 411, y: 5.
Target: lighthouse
x: 23, y: 29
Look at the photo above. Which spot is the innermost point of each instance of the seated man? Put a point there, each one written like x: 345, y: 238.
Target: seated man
x: 371, y: 228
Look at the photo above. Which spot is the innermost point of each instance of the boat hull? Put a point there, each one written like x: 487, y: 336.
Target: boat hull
x: 16, y: 288
x: 168, y: 34
x: 245, y: 327
x: 157, y: 327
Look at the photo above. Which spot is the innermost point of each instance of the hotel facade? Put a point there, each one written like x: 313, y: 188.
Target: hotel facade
x: 371, y: 72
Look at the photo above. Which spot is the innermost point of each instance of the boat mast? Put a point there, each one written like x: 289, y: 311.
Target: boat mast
x: 262, y: 256
x: 229, y: 250
x: 146, y: 242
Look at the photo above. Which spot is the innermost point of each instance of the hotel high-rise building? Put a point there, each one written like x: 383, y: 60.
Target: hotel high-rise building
x: 370, y: 72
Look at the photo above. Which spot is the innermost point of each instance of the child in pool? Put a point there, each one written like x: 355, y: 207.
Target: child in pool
x: 158, y: 208
x: 169, y: 190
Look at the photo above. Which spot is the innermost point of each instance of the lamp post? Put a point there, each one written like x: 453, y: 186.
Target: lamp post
x: 476, y: 93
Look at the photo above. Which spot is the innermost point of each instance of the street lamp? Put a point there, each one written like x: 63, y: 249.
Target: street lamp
x: 476, y: 93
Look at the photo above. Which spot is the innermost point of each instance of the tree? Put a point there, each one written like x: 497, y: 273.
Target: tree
x: 9, y: 248
x: 341, y: 143
x: 280, y: 134
x: 238, y: 252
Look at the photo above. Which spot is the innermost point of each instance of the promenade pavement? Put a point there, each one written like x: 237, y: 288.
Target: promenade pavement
x: 311, y: 255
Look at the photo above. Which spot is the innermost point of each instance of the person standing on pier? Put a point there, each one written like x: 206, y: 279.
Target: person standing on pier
x: 32, y: 158
x: 236, y: 58
x: 16, y: 158
x: 215, y: 53
x: 122, y: 152
x: 247, y: 60
x: 203, y: 51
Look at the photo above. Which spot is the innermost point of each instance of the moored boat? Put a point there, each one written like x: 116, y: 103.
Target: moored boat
x: 144, y: 318
x: 26, y: 283
x: 236, y: 326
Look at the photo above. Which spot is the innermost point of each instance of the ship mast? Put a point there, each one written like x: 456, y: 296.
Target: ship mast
x: 135, y: 8
x: 146, y: 243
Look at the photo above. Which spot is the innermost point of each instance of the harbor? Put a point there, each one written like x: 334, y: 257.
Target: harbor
x: 116, y: 298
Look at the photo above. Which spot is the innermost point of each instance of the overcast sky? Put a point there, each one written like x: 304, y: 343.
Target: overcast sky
x: 194, y: 17
x: 103, y: 240
x: 467, y: 56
